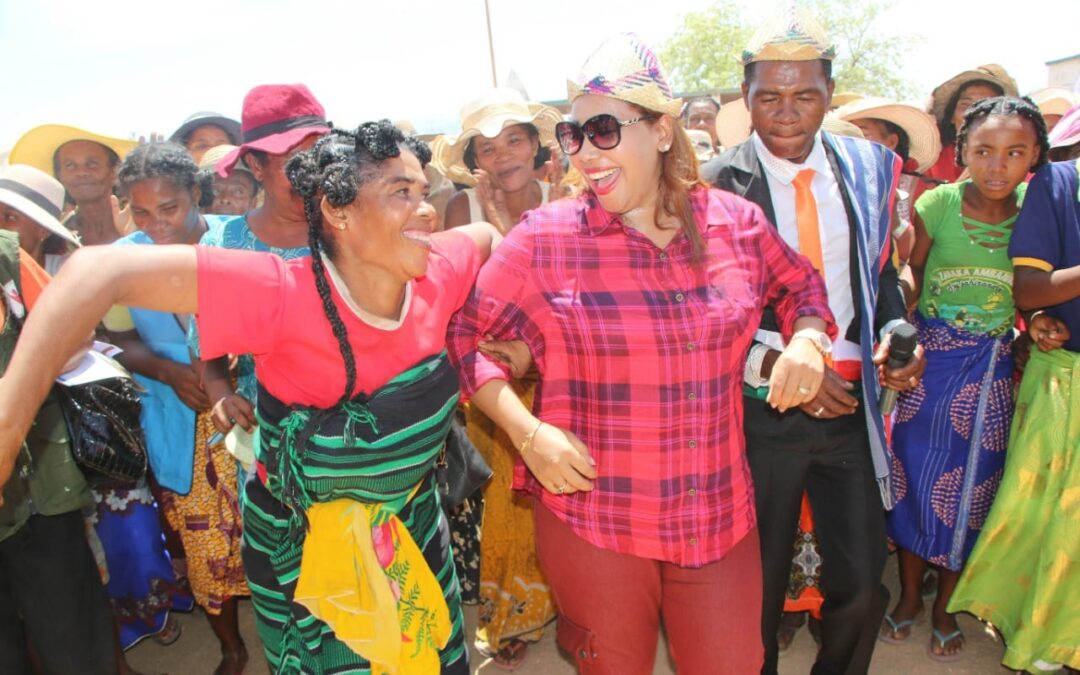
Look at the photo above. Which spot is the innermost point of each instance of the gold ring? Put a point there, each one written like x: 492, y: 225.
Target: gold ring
x: 817, y: 413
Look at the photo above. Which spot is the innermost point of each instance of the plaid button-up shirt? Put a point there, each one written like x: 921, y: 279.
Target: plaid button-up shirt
x: 640, y: 352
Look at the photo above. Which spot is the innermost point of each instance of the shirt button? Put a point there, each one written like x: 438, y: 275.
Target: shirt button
x: 691, y: 492
x: 692, y: 396
x: 663, y: 256
x: 690, y: 346
x: 693, y: 541
x: 679, y: 297
x: 692, y: 444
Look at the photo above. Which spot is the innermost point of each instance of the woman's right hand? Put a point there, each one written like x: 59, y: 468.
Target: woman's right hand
x: 1048, y: 332
x: 228, y: 407
x: 185, y: 383
x: 560, y: 461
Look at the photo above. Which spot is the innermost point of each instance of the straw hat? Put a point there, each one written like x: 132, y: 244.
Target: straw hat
x: 275, y: 119
x: 625, y: 68
x: 200, y: 119
x: 38, y: 146
x: 733, y: 125
x: 838, y: 126
x: 217, y: 153
x: 792, y: 34
x: 845, y: 97
x: 924, y: 141
x: 37, y: 195
x: 990, y: 73
x: 1054, y: 100
x: 487, y: 116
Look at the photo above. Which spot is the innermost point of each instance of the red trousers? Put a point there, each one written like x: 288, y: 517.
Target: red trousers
x: 611, y: 604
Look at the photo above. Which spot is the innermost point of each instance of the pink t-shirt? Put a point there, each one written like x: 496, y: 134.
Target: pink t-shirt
x: 257, y: 303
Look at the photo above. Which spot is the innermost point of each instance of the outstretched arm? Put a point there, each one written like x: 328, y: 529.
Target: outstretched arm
x: 96, y: 278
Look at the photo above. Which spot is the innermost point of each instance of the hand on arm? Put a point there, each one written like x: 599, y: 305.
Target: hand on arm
x: 513, y: 353
x: 558, y: 458
x: 796, y: 374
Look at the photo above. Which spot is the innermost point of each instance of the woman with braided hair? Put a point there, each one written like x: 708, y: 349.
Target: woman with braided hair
x: 346, y: 551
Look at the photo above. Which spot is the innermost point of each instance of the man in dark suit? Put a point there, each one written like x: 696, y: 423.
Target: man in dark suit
x: 830, y: 197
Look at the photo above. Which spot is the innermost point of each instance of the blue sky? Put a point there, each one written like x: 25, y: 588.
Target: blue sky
x: 129, y: 67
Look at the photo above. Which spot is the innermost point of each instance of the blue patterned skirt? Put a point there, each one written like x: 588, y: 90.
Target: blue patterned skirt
x: 949, y: 442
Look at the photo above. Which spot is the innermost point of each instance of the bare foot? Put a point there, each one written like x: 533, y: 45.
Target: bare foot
x: 232, y: 662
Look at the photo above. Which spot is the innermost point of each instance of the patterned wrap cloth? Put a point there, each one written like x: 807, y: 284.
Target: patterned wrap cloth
x: 376, y: 452
x: 949, y: 442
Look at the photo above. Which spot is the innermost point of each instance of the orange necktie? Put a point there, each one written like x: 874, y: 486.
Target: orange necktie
x: 806, y: 219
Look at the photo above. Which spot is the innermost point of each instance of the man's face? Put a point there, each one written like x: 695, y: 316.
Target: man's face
x: 86, y: 170
x: 787, y: 102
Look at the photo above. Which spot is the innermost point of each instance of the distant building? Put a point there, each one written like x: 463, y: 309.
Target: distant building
x: 1064, y: 73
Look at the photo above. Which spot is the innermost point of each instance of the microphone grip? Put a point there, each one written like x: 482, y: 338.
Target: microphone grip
x: 887, y: 402
x: 901, y: 349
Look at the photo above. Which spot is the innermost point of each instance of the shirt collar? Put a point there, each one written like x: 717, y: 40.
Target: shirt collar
x: 784, y: 170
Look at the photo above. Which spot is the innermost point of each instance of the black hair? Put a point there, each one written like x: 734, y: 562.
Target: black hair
x: 750, y: 69
x: 903, y: 143
x: 1005, y: 106
x: 114, y: 158
x: 335, y: 168
x: 945, y: 124
x: 698, y: 99
x: 168, y: 161
x: 469, y: 157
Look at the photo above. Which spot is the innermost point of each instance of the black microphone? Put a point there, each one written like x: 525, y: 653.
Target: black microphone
x: 901, y: 349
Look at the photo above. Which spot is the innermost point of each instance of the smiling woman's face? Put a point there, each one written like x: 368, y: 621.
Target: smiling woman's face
x: 389, y: 224
x: 508, y: 158
x: 627, y: 176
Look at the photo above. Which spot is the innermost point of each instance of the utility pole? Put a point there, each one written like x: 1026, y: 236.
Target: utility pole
x: 491, y: 44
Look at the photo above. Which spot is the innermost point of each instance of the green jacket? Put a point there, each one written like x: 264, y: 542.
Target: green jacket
x: 46, y: 479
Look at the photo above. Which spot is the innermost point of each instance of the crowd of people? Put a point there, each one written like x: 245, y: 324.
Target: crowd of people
x: 673, y: 329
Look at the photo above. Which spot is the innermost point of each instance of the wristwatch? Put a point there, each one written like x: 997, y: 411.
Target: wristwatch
x: 817, y: 338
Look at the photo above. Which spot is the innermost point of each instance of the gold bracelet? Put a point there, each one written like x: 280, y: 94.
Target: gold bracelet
x: 526, y: 442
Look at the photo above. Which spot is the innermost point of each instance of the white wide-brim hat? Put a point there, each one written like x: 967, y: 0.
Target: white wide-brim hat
x: 37, y: 195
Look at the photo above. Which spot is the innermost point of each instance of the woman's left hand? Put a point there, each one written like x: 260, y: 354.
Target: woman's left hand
x: 796, y: 375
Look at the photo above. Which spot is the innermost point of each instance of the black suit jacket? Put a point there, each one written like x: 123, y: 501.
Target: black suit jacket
x: 740, y: 171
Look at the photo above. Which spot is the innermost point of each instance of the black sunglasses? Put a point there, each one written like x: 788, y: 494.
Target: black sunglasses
x: 604, y: 132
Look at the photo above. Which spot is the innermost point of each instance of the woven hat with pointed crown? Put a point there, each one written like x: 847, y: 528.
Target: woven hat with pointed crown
x: 625, y: 68
x: 791, y: 34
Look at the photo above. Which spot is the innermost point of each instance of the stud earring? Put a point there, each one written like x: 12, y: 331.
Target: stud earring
x: 343, y: 225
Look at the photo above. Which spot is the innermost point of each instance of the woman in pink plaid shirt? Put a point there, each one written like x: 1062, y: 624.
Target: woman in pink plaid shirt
x: 637, y: 299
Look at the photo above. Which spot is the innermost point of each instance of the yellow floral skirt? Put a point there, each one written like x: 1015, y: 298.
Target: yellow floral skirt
x: 208, y: 520
x: 515, y: 601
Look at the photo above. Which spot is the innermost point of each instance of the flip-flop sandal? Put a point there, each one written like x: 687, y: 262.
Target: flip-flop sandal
x: 169, y: 633
x: 893, y: 627
x: 511, y: 656
x: 938, y: 640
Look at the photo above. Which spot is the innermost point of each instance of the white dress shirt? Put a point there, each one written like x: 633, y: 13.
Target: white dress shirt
x: 834, y: 230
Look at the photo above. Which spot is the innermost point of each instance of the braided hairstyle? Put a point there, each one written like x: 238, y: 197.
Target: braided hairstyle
x: 335, y: 168
x: 1005, y: 106
x: 168, y: 161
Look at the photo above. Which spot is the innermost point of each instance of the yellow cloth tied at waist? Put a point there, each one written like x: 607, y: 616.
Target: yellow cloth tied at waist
x: 363, y: 575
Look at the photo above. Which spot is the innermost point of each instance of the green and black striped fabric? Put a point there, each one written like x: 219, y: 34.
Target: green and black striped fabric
x: 374, y: 448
